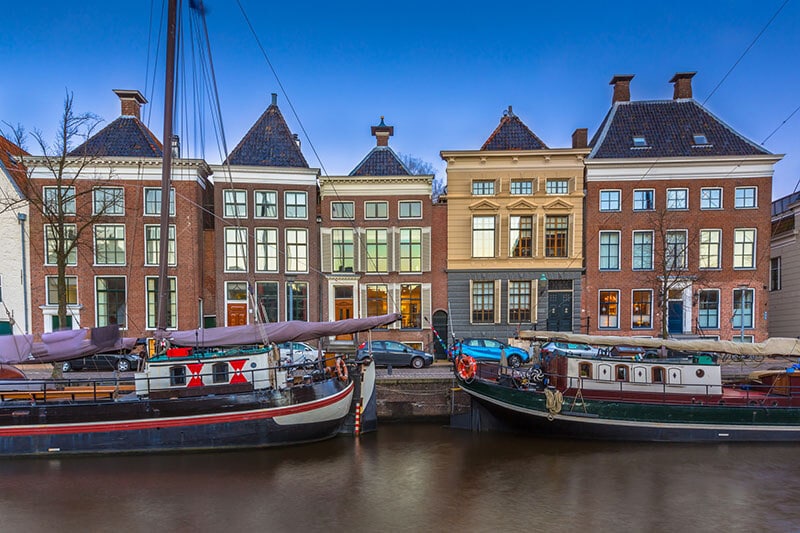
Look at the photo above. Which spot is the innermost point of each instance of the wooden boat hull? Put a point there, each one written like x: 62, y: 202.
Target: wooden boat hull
x: 137, y: 425
x: 504, y: 407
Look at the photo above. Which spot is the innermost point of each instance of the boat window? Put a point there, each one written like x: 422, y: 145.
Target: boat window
x: 604, y: 372
x: 177, y: 376
x: 219, y: 373
x: 675, y: 375
x: 658, y: 374
x: 621, y: 372
x: 585, y: 370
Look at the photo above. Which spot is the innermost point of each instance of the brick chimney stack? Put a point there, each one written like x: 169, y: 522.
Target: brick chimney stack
x: 622, y: 88
x: 580, y: 138
x: 131, y: 102
x: 382, y: 132
x: 683, y: 85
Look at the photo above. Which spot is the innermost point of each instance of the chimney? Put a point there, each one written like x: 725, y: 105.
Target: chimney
x: 622, y: 88
x: 296, y: 139
x: 580, y: 138
x: 274, y: 98
x: 176, y: 147
x: 131, y: 102
x: 683, y: 85
x: 382, y: 132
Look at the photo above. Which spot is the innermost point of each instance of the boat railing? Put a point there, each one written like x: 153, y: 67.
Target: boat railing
x: 51, y: 390
x: 750, y: 394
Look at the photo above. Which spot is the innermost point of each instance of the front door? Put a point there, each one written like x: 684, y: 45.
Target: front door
x: 237, y: 314
x: 675, y: 316
x: 559, y: 311
x: 440, y: 326
x: 343, y: 307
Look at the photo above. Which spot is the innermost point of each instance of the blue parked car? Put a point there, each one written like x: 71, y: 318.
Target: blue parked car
x: 489, y: 350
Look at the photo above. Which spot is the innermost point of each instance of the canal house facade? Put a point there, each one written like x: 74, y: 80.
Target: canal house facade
x: 677, y: 222
x: 375, y: 244
x: 514, y: 233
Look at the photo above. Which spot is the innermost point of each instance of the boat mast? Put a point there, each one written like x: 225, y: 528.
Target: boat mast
x: 166, y: 168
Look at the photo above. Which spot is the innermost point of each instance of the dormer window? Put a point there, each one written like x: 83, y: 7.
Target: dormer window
x: 700, y: 139
x: 639, y: 142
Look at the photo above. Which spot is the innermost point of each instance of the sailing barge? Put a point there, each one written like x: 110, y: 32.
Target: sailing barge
x: 664, y: 390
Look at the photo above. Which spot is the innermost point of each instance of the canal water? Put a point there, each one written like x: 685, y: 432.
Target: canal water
x: 413, y: 478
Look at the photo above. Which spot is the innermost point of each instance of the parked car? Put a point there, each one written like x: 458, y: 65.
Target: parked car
x: 568, y: 348
x: 124, y: 362
x: 393, y: 353
x: 297, y: 353
x: 491, y: 350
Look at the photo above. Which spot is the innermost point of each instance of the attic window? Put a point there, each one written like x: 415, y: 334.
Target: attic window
x: 700, y: 139
x: 639, y: 142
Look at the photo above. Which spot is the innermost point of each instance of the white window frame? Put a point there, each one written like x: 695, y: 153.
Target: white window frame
x: 486, y: 246
x: 152, y: 257
x: 636, y: 201
x: 409, y: 205
x: 50, y: 199
x: 266, y: 241
x: 618, y: 202
x: 296, y: 262
x: 113, y: 204
x: 297, y: 207
x: 236, y: 242
x: 344, y: 215
x: 678, y: 199
x: 742, y: 205
x: 369, y: 203
x: 156, y: 203
x: 115, y: 238
x: 705, y: 201
x: 706, y: 244
x: 740, y: 255
x: 260, y: 204
x: 608, y: 247
x: 633, y: 250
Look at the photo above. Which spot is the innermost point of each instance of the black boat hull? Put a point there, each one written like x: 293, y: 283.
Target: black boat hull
x: 136, y: 425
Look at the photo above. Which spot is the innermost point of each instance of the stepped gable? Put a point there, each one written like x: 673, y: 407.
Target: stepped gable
x: 381, y: 160
x: 10, y: 155
x: 126, y: 136
x: 680, y: 127
x: 513, y: 134
x: 269, y: 143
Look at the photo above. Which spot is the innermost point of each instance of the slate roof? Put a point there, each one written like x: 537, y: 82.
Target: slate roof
x: 381, y: 161
x: 14, y: 169
x: 668, y: 127
x: 513, y: 134
x: 126, y: 136
x: 269, y: 143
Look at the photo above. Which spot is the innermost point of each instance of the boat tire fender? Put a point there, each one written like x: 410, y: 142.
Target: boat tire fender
x: 341, y: 369
x: 466, y: 367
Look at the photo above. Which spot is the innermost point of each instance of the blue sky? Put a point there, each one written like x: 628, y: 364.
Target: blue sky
x: 442, y: 73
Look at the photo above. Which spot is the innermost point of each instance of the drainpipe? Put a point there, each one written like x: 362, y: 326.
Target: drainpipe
x: 21, y: 217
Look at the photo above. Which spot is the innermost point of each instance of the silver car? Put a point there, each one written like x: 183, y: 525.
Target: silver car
x: 297, y: 353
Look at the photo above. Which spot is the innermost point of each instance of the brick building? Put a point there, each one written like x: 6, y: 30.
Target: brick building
x: 677, y: 221
x: 110, y: 193
x: 376, y: 244
x: 267, y: 228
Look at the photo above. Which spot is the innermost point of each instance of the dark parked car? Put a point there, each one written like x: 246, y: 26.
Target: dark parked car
x: 123, y: 362
x: 393, y: 353
x: 490, y: 350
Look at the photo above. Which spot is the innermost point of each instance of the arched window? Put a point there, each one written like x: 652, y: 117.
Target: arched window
x: 621, y: 372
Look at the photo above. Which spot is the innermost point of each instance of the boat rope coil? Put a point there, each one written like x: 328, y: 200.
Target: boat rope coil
x: 554, y: 402
x: 466, y: 368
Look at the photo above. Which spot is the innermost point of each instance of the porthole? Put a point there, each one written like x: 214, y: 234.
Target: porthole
x: 700, y: 373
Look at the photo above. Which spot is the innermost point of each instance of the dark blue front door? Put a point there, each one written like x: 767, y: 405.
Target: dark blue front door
x: 675, y: 320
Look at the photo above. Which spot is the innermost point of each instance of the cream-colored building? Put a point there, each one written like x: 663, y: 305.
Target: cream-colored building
x: 515, y: 233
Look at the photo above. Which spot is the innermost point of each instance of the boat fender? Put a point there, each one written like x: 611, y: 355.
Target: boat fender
x: 466, y: 367
x: 341, y: 369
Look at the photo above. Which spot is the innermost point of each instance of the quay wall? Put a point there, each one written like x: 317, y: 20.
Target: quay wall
x: 429, y: 398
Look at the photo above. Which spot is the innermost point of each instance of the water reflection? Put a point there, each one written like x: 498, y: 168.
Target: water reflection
x: 413, y: 478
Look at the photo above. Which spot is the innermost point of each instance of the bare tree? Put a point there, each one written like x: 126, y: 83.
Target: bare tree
x: 675, y: 240
x: 67, y: 207
x: 418, y: 166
